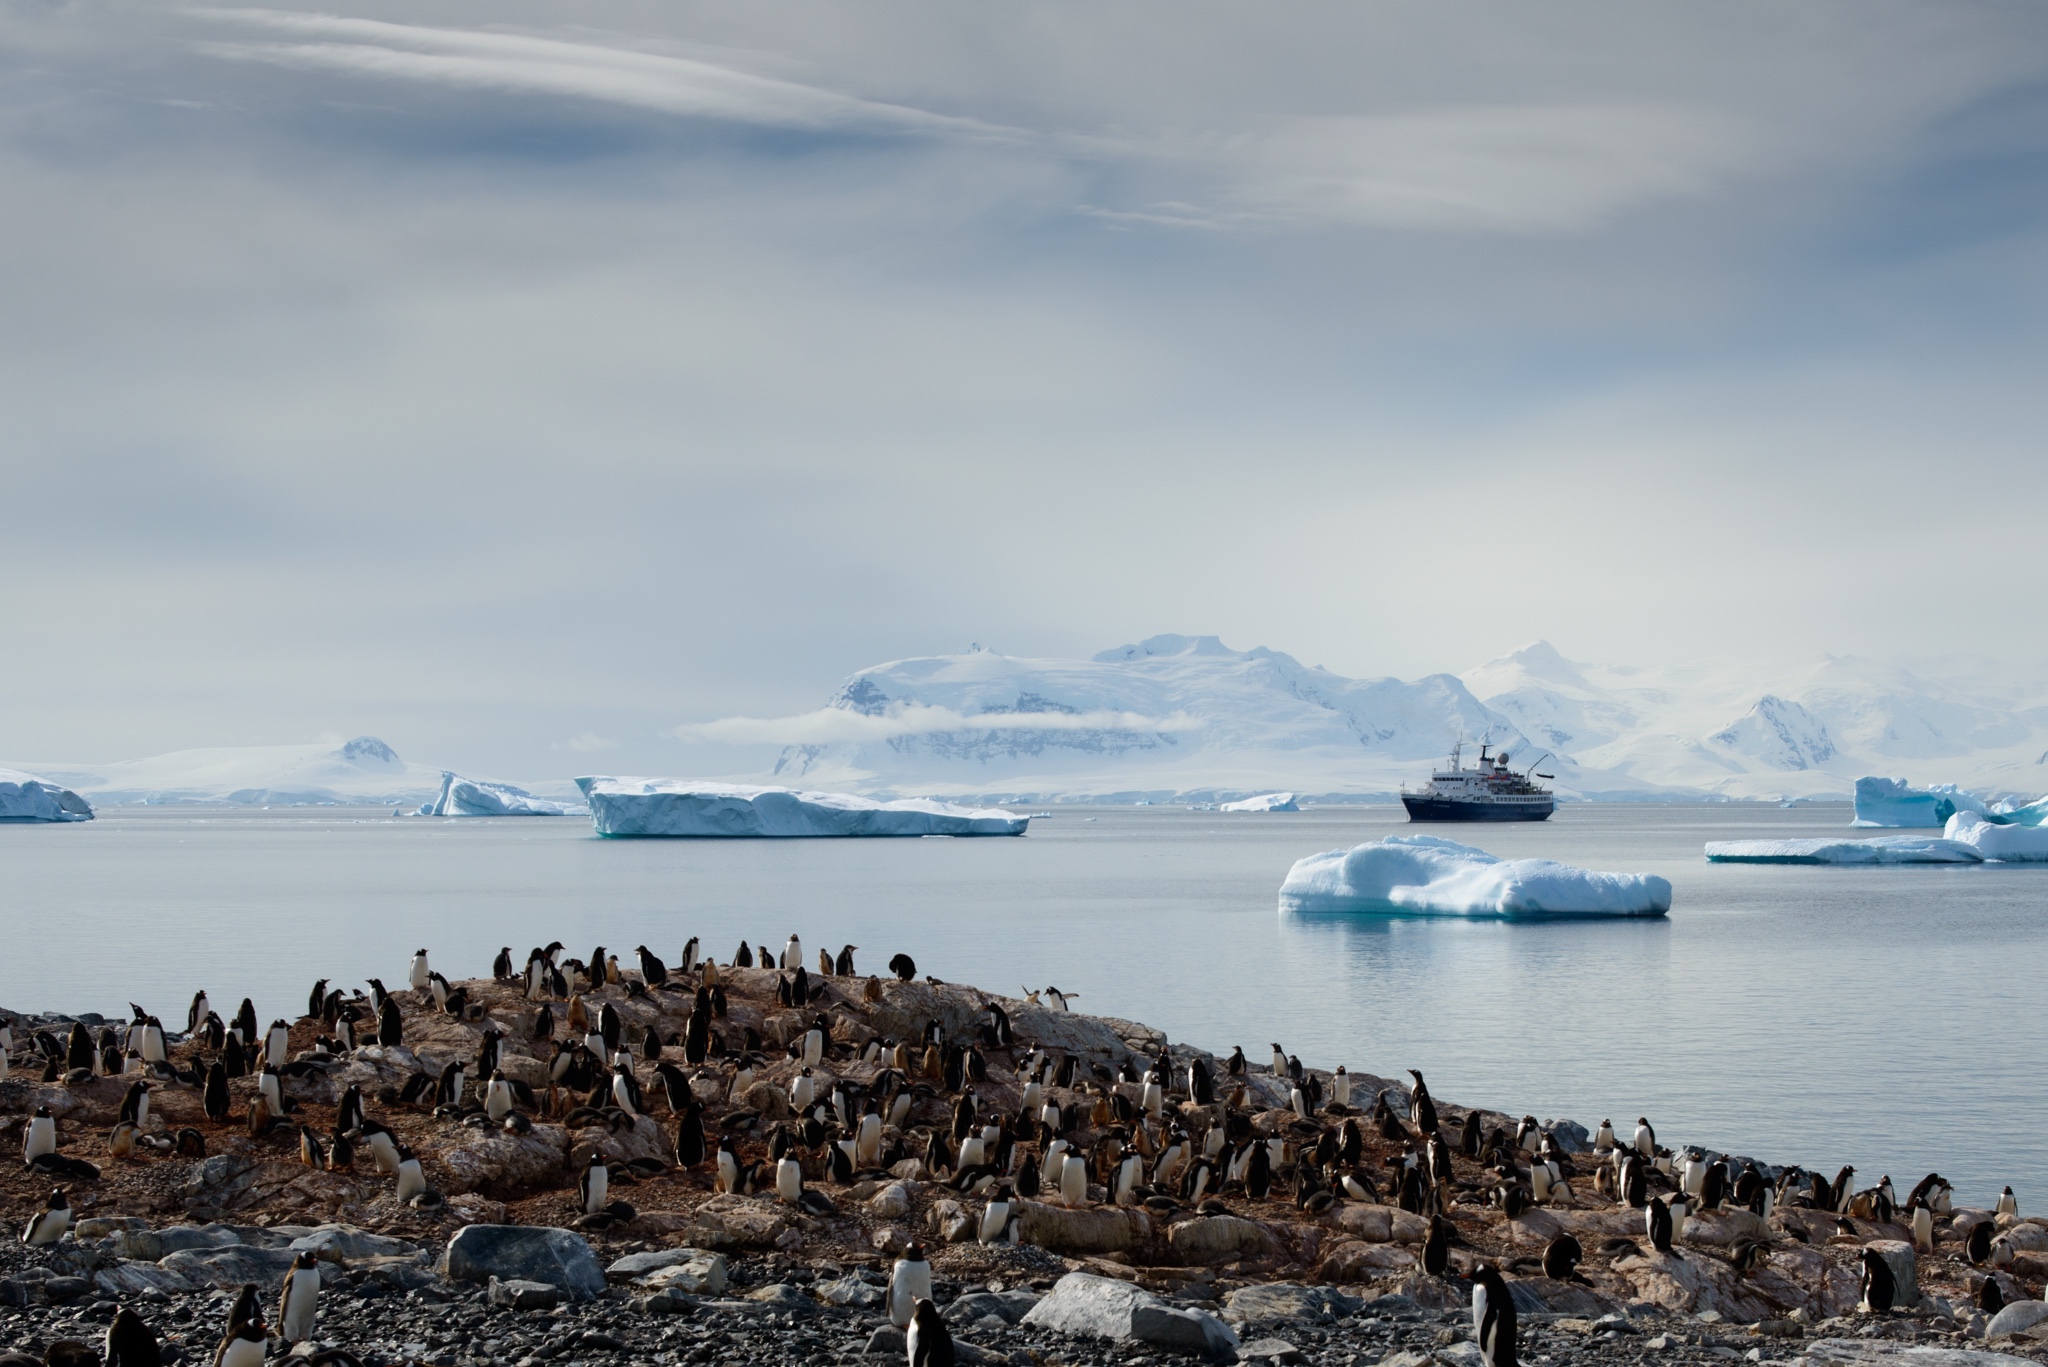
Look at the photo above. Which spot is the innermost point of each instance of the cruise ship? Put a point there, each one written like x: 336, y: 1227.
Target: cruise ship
x: 1491, y: 792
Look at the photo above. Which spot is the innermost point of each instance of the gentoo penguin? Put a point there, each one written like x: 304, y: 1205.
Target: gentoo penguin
x: 152, y: 1045
x: 215, y: 1096
x: 745, y: 957
x: 275, y: 1043
x: 196, y: 1014
x: 1279, y: 1060
x: 348, y: 1115
x: 497, y: 1096
x: 1436, y: 1249
x: 1990, y: 1299
x: 1658, y: 1220
x: 1843, y: 1191
x: 1603, y: 1138
x: 1074, y: 1180
x: 1340, y: 1087
x: 927, y: 1341
x: 626, y: 1089
x: 1258, y: 1177
x: 1059, y: 999
x: 411, y: 1180
x: 789, y: 1180
x: 1561, y: 1258
x: 245, y: 1345
x: 1422, y: 1107
x: 310, y: 1151
x: 390, y: 1025
x: 297, y: 1307
x: 1923, y: 1229
x: 793, y: 953
x: 1879, y: 1287
x: 1646, y: 1138
x: 453, y: 1084
x: 384, y: 1150
x: 1635, y: 1182
x: 417, y: 975
x: 690, y: 1136
x: 1493, y: 1317
x: 803, y: 1089
x: 910, y: 1281
x: 40, y: 1137
x: 501, y: 967
x: 1124, y: 1180
x: 843, y: 965
x: 130, y: 1342
x: 245, y: 1021
x: 904, y: 967
x: 728, y: 1181
x: 48, y: 1225
x: 271, y: 1085
x: 652, y: 971
x: 594, y: 1188
x: 2008, y: 1204
x: 688, y: 962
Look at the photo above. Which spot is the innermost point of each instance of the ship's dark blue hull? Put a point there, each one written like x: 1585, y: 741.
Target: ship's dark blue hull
x: 1450, y: 809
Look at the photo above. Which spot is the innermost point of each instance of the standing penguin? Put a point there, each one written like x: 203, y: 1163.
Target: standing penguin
x: 298, y: 1306
x: 246, y: 1344
x: 1422, y: 1105
x: 2008, y: 1204
x: 793, y: 953
x: 276, y: 1042
x: 48, y: 1225
x: 1436, y: 1249
x: 1646, y: 1138
x: 419, y: 974
x: 690, y: 1136
x: 497, y: 1096
x: 1879, y: 1287
x: 594, y: 1189
x: 1603, y: 1138
x: 910, y: 1281
x: 40, y: 1137
x: 131, y: 1343
x: 1658, y: 1219
x: 1493, y: 1317
x: 789, y: 1180
x: 390, y: 1025
x: 843, y: 965
x: 215, y: 1097
x: 626, y: 1089
x: 927, y: 1341
x: 1074, y: 1180
x: 412, y: 1181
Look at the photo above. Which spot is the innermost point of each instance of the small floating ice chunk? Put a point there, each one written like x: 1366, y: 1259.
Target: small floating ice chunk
x: 1883, y: 849
x: 24, y: 797
x: 1426, y: 875
x: 1264, y: 802
x: 680, y: 807
x: 473, y: 797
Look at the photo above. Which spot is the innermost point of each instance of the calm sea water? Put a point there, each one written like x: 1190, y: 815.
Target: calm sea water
x: 1823, y: 1016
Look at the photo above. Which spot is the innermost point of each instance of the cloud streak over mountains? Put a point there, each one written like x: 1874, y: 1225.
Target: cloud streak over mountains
x: 829, y: 725
x: 1533, y: 167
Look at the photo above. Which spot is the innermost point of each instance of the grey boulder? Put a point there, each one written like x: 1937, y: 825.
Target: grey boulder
x: 1288, y: 1301
x: 231, y: 1267
x: 1104, y: 1308
x: 1865, y: 1353
x: 518, y: 1295
x: 2015, y: 1317
x: 524, y: 1253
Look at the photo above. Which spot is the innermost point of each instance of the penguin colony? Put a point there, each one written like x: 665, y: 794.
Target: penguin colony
x: 775, y: 1085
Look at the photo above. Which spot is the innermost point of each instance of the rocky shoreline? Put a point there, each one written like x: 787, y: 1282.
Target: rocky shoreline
x: 500, y: 1262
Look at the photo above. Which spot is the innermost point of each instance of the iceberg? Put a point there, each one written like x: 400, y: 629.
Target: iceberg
x: 24, y: 797
x: 1894, y: 802
x: 1425, y: 875
x: 1265, y: 802
x: 1883, y: 849
x: 473, y: 797
x: 1998, y: 842
x: 679, y: 807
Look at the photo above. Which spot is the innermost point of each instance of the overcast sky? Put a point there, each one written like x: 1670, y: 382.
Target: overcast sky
x: 517, y: 381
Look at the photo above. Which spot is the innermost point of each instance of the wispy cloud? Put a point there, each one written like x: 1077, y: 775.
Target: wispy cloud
x: 1537, y: 167
x: 585, y: 743
x: 831, y: 724
x: 522, y: 63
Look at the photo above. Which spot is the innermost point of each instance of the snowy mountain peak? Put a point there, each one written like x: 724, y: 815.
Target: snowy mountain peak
x: 1169, y: 644
x: 1779, y: 735
x: 367, y: 752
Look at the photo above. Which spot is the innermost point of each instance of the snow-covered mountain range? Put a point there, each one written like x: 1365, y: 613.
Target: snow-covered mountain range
x: 1187, y: 717
x: 363, y: 770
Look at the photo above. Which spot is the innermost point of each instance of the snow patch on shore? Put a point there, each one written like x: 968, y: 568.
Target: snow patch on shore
x: 1426, y: 875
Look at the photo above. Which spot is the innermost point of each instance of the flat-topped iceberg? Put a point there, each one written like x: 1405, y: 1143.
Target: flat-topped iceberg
x: 1424, y: 875
x: 24, y: 797
x: 1264, y: 802
x: 1896, y: 803
x: 1967, y: 838
x: 473, y: 797
x: 680, y: 807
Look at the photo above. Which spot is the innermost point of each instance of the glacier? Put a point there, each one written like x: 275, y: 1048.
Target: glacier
x: 473, y: 797
x: 1426, y: 875
x: 25, y: 797
x: 1966, y: 838
x: 1896, y: 803
x: 1264, y: 802
x: 680, y: 807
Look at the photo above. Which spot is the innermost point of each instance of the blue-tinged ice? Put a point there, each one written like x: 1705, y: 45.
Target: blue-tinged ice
x: 1883, y: 849
x: 681, y: 807
x: 24, y: 797
x: 1894, y: 802
x: 1264, y: 802
x: 1424, y: 875
x: 473, y: 797
x: 2002, y: 843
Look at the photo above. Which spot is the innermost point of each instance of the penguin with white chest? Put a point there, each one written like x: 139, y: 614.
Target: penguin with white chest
x: 595, y: 1186
x: 926, y: 1340
x: 910, y: 1281
x: 1493, y: 1318
x: 298, y: 1306
x: 51, y: 1223
x: 40, y: 1137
